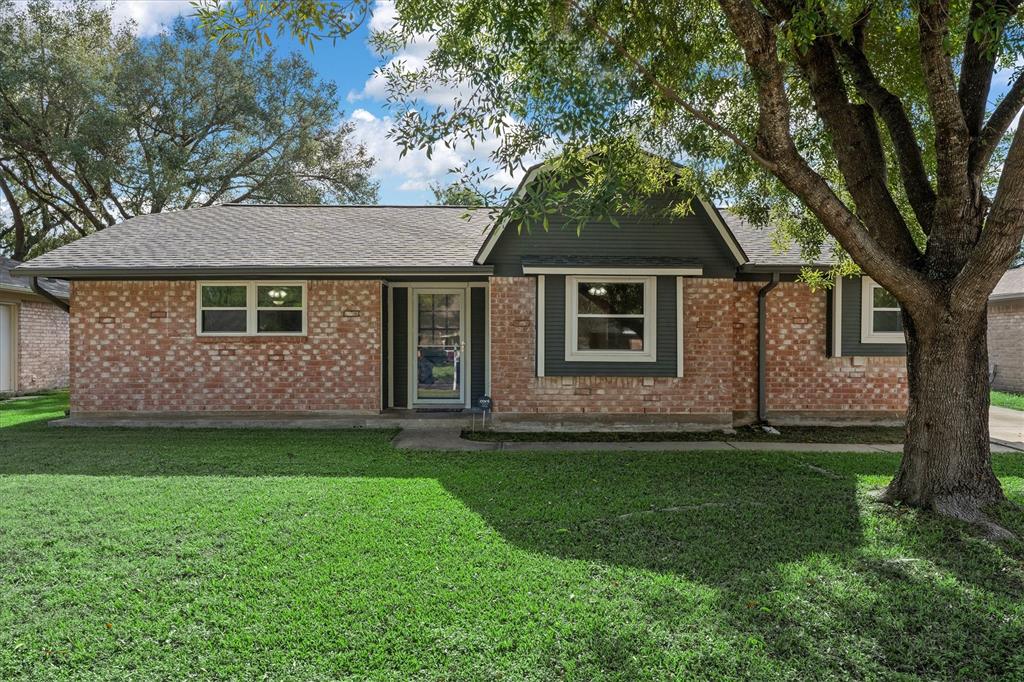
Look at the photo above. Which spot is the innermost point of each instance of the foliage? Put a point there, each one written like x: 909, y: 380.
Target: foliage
x: 1014, y: 401
x: 466, y: 190
x: 329, y: 554
x: 97, y: 126
x: 603, y: 81
x: 865, y: 128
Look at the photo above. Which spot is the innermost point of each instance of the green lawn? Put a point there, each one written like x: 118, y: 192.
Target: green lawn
x: 1015, y: 401
x: 165, y: 554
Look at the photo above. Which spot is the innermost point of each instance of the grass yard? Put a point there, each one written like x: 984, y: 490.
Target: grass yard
x: 1014, y: 401
x: 146, y: 554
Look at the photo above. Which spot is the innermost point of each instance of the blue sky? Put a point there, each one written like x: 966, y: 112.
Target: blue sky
x: 350, y: 63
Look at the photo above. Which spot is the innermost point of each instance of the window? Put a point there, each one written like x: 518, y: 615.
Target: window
x: 251, y: 309
x: 610, y: 319
x: 880, y: 319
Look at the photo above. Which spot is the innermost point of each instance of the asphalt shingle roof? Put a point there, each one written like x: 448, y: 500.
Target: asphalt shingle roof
x: 57, y: 287
x: 757, y: 244
x: 249, y: 239
x: 1011, y: 285
x: 284, y: 238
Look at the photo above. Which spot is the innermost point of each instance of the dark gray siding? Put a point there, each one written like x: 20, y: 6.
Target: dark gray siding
x: 693, y: 237
x: 478, y: 343
x: 851, y: 325
x: 554, y: 337
x: 384, y: 377
x: 401, y: 345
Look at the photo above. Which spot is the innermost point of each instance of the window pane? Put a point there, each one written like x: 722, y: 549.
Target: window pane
x: 223, y: 296
x: 269, y: 321
x: 887, y: 321
x: 224, y: 321
x: 883, y: 299
x: 610, y: 333
x: 607, y: 298
x: 279, y: 297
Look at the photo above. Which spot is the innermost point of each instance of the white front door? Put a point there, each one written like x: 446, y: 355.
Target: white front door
x: 6, y: 348
x: 438, y: 348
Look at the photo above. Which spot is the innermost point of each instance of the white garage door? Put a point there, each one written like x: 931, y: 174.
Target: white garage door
x: 6, y: 348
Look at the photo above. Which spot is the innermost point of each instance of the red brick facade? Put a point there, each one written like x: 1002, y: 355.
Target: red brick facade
x: 720, y: 362
x: 1006, y: 344
x: 42, y: 347
x: 134, y: 348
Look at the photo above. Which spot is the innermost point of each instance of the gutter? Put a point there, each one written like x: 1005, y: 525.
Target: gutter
x: 762, y: 350
x: 48, y: 296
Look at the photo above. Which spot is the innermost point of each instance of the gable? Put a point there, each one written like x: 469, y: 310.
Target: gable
x: 699, y: 238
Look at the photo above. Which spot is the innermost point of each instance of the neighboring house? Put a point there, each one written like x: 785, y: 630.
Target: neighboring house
x: 1006, y: 332
x: 318, y: 309
x: 33, y: 332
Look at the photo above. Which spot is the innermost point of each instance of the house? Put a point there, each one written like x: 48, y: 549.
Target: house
x: 33, y: 332
x: 360, y: 309
x: 1006, y: 333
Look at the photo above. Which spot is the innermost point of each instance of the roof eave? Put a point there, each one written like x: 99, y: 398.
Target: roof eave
x: 77, y: 273
x: 781, y: 268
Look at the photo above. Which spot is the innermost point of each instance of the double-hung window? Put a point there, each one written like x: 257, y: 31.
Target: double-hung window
x: 610, y: 319
x: 251, y: 309
x: 880, y: 319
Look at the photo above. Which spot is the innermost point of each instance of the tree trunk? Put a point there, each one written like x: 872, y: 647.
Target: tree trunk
x: 947, y: 464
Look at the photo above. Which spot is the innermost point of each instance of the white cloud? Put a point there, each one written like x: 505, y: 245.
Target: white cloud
x: 150, y: 16
x: 412, y: 57
x: 414, y: 172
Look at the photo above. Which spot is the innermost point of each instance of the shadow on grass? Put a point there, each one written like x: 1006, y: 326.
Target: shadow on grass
x: 704, y: 517
x: 794, y: 561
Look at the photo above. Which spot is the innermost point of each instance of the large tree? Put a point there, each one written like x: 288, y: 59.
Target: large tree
x: 872, y: 125
x: 98, y: 125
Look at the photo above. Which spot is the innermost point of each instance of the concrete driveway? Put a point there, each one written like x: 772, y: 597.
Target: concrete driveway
x: 1006, y: 426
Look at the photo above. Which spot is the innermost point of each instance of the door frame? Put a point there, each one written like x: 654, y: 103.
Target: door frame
x: 464, y: 354
x: 10, y: 349
x: 467, y: 375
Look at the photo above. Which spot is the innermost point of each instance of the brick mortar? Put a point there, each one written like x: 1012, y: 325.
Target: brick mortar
x: 134, y: 348
x: 42, y: 361
x: 1006, y: 344
x: 720, y: 360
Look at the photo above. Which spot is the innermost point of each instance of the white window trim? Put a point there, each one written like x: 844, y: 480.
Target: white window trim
x: 650, y: 352
x: 867, y: 318
x: 250, y: 306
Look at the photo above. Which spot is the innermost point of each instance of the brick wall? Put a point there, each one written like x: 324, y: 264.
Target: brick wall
x: 134, y: 348
x: 801, y: 379
x: 720, y: 362
x: 705, y: 390
x: 42, y: 346
x: 1006, y: 344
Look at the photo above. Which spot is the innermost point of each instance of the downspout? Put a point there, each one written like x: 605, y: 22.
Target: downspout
x: 48, y: 296
x: 762, y: 350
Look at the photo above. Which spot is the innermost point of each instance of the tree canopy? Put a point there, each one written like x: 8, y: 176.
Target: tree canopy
x: 98, y: 125
x: 886, y: 128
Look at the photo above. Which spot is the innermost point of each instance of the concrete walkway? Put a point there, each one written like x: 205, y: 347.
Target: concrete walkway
x: 450, y: 439
x: 1006, y: 426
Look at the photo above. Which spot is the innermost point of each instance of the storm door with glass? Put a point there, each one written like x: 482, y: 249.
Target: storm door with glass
x: 438, y: 346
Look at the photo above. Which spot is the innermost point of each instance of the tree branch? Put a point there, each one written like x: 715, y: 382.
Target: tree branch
x: 891, y: 110
x: 1001, y: 238
x: 997, y: 125
x: 858, y: 148
x: 979, y: 60
x: 952, y: 137
x: 756, y: 35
